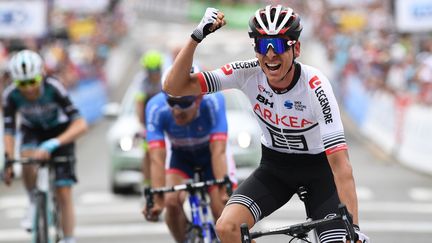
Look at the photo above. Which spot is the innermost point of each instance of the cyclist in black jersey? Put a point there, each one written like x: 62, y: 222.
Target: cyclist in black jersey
x: 49, y: 124
x: 303, y: 142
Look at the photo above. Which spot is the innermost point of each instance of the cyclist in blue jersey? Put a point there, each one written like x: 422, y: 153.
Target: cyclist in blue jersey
x: 303, y: 141
x: 196, y: 130
x: 49, y: 124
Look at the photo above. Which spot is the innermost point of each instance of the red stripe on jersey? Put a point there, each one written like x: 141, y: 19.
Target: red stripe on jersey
x: 177, y: 172
x: 157, y: 144
x: 336, y: 148
x: 203, y: 84
x: 218, y: 137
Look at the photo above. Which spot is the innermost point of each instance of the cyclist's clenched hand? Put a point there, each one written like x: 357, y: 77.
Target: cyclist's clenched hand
x: 360, y: 237
x: 212, y: 20
x: 153, y: 213
x: 8, y: 175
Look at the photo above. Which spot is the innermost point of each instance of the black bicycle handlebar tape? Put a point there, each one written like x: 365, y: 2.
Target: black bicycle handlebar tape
x: 347, y: 220
x: 149, y: 199
x: 228, y: 184
x: 244, y: 232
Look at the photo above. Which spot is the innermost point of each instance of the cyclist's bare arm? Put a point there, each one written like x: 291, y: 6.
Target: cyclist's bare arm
x: 157, y: 160
x: 9, y: 143
x: 179, y: 81
x: 344, y: 179
x: 218, y: 157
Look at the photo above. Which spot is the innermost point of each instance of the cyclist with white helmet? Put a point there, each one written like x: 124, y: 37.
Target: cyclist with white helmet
x: 149, y: 78
x: 303, y: 142
x: 49, y: 124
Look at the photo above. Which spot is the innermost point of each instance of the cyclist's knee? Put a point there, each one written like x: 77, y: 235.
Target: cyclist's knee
x: 226, y: 227
x: 172, y: 203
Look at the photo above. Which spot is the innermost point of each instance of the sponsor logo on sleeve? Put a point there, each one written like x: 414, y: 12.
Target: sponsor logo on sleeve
x: 228, y: 68
x: 315, y: 85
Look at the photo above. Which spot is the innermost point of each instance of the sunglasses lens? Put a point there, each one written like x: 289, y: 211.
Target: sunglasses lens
x: 279, y: 45
x: 24, y: 83
x: 182, y: 103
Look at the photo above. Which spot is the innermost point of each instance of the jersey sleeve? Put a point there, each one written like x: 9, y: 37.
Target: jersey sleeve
x: 231, y: 75
x: 9, y: 112
x: 216, y: 105
x: 154, y: 123
x: 63, y: 99
x: 327, y: 112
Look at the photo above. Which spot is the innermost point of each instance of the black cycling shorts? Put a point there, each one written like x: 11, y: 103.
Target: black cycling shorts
x: 278, y: 178
x: 64, y: 172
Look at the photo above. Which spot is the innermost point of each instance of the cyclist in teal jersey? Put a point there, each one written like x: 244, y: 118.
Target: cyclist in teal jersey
x: 49, y: 124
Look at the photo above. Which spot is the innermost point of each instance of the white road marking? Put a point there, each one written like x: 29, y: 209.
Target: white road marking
x: 11, y: 235
x: 421, y: 193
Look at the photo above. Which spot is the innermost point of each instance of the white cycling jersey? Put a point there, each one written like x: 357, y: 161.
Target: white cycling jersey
x: 304, y: 118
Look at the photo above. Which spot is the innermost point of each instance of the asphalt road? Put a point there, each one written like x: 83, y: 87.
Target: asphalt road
x: 395, y: 203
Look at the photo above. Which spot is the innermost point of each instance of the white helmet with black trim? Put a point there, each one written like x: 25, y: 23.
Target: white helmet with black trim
x: 26, y: 65
x: 275, y: 20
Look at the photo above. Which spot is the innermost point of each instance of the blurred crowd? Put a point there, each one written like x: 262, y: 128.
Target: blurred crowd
x: 76, y: 46
x: 363, y: 43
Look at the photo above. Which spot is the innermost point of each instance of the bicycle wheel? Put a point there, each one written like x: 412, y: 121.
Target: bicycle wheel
x: 194, y: 235
x: 41, y: 220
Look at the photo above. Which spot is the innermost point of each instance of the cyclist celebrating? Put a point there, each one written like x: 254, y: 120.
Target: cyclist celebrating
x: 196, y: 128
x: 150, y: 84
x: 303, y: 141
x: 49, y: 125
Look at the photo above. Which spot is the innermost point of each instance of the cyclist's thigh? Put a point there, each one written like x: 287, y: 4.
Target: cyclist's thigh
x: 65, y: 175
x: 262, y: 193
x: 324, y: 201
x: 174, y: 198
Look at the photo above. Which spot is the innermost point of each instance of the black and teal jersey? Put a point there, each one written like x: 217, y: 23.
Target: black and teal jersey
x: 52, y: 109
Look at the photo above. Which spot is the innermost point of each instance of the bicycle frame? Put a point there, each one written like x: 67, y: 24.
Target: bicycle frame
x: 46, y: 226
x: 200, y: 212
x: 202, y: 227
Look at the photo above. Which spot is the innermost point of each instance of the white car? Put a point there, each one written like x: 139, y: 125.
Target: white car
x: 126, y: 152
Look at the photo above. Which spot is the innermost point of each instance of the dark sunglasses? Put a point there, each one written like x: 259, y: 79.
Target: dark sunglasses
x: 27, y: 82
x: 184, y: 102
x: 279, y: 45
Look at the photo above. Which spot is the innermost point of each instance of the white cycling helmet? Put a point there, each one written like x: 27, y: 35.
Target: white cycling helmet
x: 26, y: 65
x: 275, y: 20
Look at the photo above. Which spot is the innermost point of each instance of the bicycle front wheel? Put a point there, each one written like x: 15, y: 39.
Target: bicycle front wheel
x: 41, y: 219
x: 194, y: 235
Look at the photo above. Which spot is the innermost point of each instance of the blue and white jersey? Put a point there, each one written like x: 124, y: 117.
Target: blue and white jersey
x: 209, y: 125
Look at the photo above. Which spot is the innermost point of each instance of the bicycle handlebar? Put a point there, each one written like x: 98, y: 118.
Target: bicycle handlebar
x: 27, y: 160
x: 302, y: 228
x: 190, y: 187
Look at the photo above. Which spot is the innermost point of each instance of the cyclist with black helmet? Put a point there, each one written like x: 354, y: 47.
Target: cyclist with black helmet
x: 149, y: 78
x: 303, y: 142
x: 49, y: 125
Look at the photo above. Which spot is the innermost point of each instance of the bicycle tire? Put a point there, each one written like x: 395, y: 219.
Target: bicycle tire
x: 41, y: 219
x: 194, y: 235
